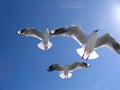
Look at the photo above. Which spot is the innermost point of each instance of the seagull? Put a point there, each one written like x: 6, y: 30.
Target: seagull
x: 65, y: 72
x: 90, y: 42
x: 45, y: 44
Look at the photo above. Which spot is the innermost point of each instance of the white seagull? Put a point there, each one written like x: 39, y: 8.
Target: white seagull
x: 65, y: 72
x: 88, y: 42
x: 45, y: 44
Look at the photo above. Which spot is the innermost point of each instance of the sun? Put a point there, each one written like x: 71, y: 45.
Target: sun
x: 116, y: 11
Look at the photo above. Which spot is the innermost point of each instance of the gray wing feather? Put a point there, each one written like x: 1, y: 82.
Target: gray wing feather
x: 108, y: 41
x: 56, y: 67
x: 78, y: 65
x: 31, y: 32
x: 71, y: 31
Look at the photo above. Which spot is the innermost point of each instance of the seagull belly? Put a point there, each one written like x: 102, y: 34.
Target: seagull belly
x: 89, y: 46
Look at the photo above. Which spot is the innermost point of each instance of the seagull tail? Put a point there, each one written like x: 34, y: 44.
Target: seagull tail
x: 42, y: 46
x: 69, y: 75
x: 63, y: 76
x: 49, y: 44
x: 93, y: 55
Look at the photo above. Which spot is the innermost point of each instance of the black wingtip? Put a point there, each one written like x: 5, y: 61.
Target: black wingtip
x: 51, y: 68
x: 96, y: 30
x: 86, y: 64
x: 22, y: 31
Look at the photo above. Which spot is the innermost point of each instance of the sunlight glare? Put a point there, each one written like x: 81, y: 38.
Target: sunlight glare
x: 116, y: 12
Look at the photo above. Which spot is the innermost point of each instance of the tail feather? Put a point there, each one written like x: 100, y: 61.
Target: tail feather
x: 93, y: 55
x: 49, y: 44
x: 62, y: 75
x: 42, y: 46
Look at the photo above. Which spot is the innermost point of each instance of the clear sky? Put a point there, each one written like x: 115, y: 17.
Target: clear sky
x: 23, y: 66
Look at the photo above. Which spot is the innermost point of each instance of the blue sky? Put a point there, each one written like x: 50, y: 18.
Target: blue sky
x: 23, y: 66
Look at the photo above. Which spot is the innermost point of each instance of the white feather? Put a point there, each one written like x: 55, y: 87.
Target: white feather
x: 93, y: 55
x: 62, y: 75
x: 49, y: 44
x: 41, y: 46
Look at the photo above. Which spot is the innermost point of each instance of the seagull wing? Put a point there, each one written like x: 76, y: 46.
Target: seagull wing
x: 78, y: 65
x: 71, y: 31
x: 56, y: 67
x: 108, y: 41
x: 31, y: 32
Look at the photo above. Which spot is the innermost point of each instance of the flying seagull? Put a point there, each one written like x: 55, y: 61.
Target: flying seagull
x: 65, y: 72
x: 90, y: 42
x: 45, y: 44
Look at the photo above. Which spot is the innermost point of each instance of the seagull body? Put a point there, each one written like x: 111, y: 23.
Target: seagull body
x: 65, y: 72
x: 89, y: 43
x: 89, y: 46
x: 45, y: 44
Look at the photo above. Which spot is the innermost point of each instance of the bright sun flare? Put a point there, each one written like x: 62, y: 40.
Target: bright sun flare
x: 116, y: 11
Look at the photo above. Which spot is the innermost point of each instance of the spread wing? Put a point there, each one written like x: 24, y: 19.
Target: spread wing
x: 71, y: 31
x: 31, y: 32
x: 78, y: 65
x: 56, y: 67
x: 109, y: 41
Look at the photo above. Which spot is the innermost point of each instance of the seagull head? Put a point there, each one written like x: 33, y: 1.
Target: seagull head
x: 95, y: 32
x: 46, y: 33
x: 46, y: 29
